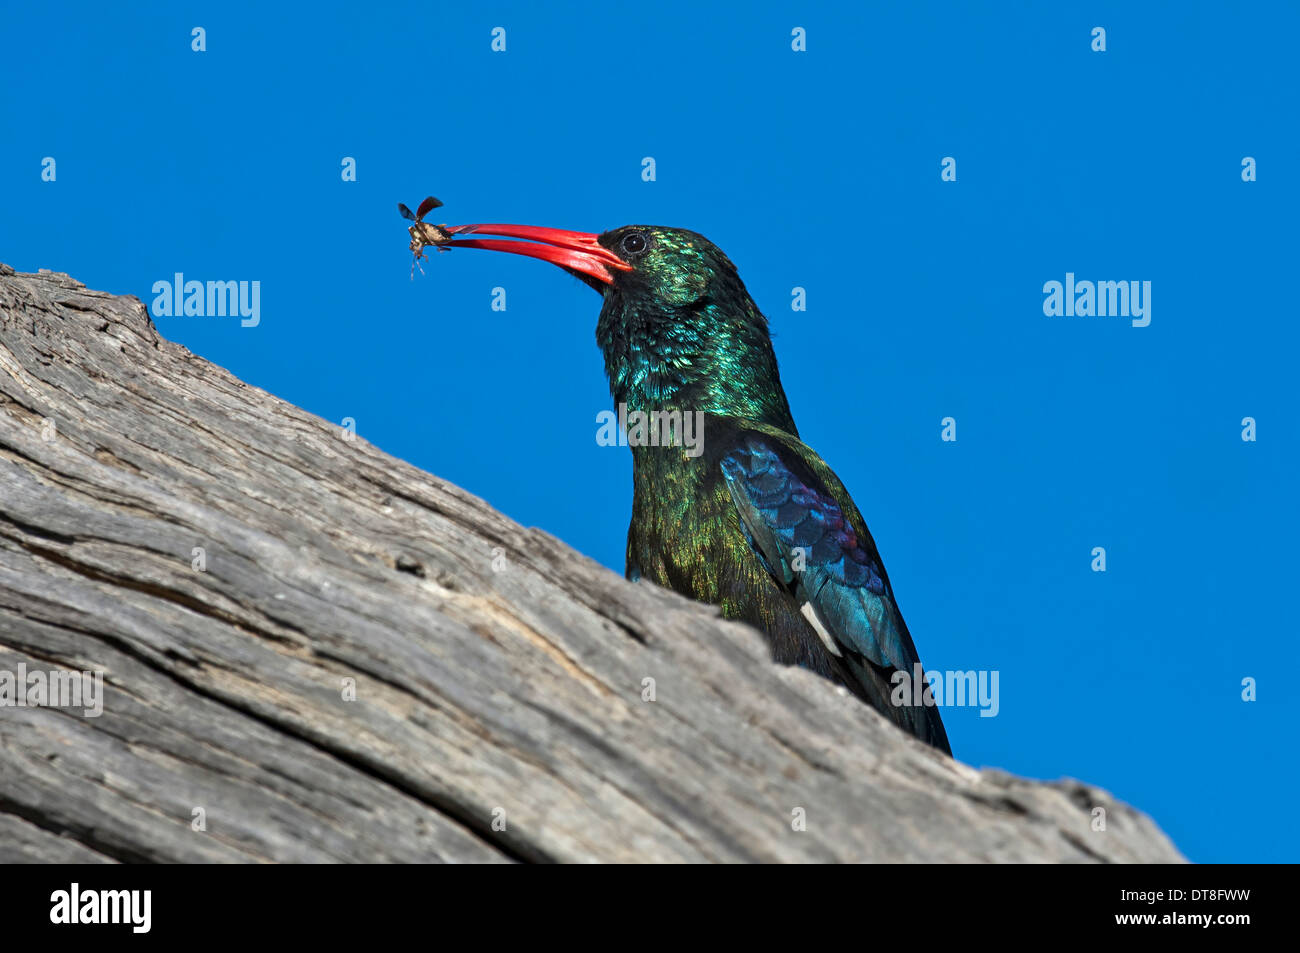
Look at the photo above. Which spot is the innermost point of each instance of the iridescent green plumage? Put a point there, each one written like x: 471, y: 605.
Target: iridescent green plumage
x: 679, y: 332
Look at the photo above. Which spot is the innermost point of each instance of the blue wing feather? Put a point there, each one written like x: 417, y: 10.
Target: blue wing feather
x: 784, y: 513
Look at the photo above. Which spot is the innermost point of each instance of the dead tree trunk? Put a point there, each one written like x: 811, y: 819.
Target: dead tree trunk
x: 312, y: 651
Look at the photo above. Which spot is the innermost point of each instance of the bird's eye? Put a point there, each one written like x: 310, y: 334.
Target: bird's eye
x: 634, y: 243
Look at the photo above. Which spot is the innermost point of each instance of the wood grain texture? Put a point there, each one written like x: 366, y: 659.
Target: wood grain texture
x: 482, y: 692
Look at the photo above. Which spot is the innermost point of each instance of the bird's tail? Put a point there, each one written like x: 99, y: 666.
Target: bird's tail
x: 877, y: 686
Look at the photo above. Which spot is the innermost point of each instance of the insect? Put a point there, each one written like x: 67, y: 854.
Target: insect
x: 422, y: 232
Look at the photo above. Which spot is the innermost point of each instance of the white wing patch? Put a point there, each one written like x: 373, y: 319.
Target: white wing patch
x: 809, y: 612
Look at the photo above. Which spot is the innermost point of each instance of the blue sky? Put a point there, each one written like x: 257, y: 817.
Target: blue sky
x: 818, y: 169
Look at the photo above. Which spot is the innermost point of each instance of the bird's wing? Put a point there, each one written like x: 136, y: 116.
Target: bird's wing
x: 804, y: 527
x: 799, y: 529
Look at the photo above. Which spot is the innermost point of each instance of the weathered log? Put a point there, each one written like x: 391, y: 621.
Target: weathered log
x: 232, y: 564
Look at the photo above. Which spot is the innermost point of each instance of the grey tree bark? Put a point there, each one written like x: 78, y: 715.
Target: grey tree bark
x: 312, y: 651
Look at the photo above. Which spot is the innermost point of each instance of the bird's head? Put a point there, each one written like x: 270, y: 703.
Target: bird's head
x: 678, y: 327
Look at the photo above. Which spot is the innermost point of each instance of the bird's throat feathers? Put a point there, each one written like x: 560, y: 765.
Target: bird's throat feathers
x: 711, y: 353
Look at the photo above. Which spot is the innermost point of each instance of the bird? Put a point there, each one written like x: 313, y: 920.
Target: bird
x: 752, y: 519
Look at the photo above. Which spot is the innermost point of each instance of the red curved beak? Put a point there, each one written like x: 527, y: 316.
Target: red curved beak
x: 577, y: 251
